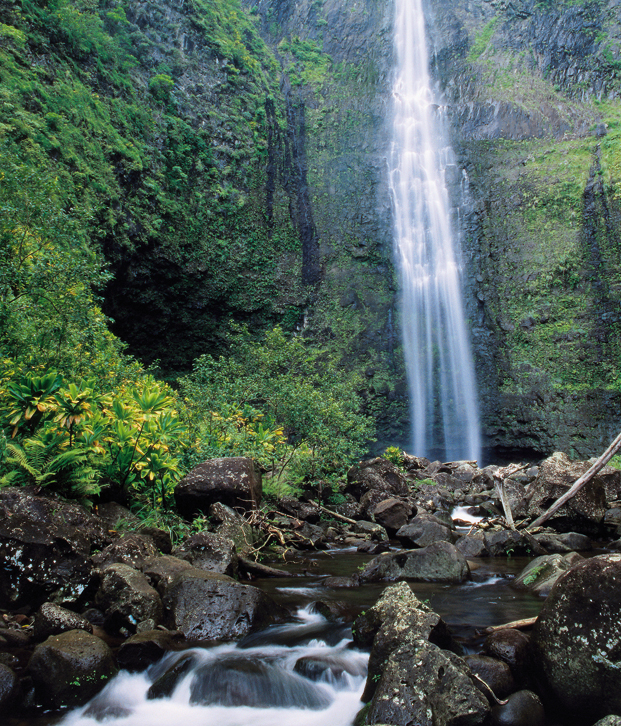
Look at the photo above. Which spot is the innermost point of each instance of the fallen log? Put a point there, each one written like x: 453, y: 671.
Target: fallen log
x: 342, y: 517
x: 579, y: 483
x: 515, y: 624
x: 259, y: 570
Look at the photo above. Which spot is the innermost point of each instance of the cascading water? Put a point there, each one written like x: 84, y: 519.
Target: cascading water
x: 439, y: 365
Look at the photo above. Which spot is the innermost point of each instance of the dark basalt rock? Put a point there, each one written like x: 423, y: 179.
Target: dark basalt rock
x: 472, y: 545
x: 329, y: 669
x: 208, y: 606
x: 143, y: 649
x: 540, y: 575
x: 45, y: 547
x: 130, y: 549
x: 376, y: 474
x: 496, y: 673
x: 423, y: 530
x: 391, y: 513
x: 52, y: 619
x: 513, y: 647
x: 162, y: 570
x: 9, y: 686
x: 70, y: 668
x: 207, y: 551
x: 440, y: 562
x: 522, y: 709
x: 233, y: 481
x: 577, y: 637
x: 127, y: 598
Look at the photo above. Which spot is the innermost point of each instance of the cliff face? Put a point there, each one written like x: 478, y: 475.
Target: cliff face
x: 230, y: 162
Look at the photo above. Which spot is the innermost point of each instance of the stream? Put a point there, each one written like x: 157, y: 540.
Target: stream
x: 304, y: 673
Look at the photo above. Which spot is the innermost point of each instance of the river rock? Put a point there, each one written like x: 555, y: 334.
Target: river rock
x: 328, y: 669
x: 208, y: 606
x: 233, y: 526
x: 506, y: 542
x: 126, y: 598
x: 52, y: 619
x: 398, y: 616
x: 440, y: 562
x: 609, y: 721
x: 423, y: 530
x: 376, y: 474
x: 233, y: 481
x: 391, y: 514
x: 9, y: 686
x: 523, y: 708
x: 577, y: 639
x: 162, y: 570
x: 143, y: 649
x: 45, y: 547
x: 303, y: 511
x: 583, y: 513
x: 70, y: 668
x: 131, y: 549
x: 422, y: 684
x: 207, y: 551
x: 513, y: 647
x: 372, y: 530
x: 161, y: 537
x: 562, y: 542
x: 540, y: 574
x: 495, y: 672
x: 472, y: 545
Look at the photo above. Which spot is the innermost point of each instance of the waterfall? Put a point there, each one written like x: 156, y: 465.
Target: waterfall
x: 440, y: 371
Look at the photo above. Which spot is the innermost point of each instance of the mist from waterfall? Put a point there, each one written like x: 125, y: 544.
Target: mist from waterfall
x: 440, y: 371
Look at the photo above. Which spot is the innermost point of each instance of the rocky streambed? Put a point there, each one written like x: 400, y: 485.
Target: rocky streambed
x: 82, y: 601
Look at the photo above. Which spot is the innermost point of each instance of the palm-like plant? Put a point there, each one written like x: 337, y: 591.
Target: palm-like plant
x: 30, y: 399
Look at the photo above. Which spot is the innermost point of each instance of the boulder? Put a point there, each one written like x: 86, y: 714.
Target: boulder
x: 328, y: 668
x: 440, y: 562
x: 126, y: 598
x: 506, y: 542
x: 45, y: 546
x: 234, y: 481
x: 609, y: 721
x: 208, y: 606
x: 513, y: 647
x: 577, y: 639
x: 207, y: 551
x: 423, y: 530
x: 234, y: 527
x: 391, y: 513
x: 300, y: 510
x: 130, y: 549
x: 162, y: 570
x: 52, y: 619
x: 523, y: 708
x: 161, y: 537
x: 583, y: 513
x: 564, y: 541
x: 376, y: 474
x: 70, y: 668
x: 422, y: 684
x: 398, y: 616
x: 372, y: 530
x: 495, y: 672
x: 540, y: 574
x: 9, y: 686
x: 472, y: 545
x: 143, y: 649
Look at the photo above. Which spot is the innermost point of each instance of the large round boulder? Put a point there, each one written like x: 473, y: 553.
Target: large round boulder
x: 391, y: 513
x: 234, y: 481
x: 577, y: 639
x: 70, y: 668
x: 423, y: 530
x: 45, y: 545
x: 207, y: 606
x: 440, y: 562
x: 376, y: 474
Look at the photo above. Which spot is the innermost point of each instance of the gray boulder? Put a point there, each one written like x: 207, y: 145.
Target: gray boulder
x: 584, y: 512
x: 208, y: 551
x: 609, y: 721
x: 162, y: 570
x: 577, y: 639
x: 440, y: 562
x: 391, y: 513
x: 207, y: 606
x: 372, y: 530
x: 422, y: 684
x: 423, y: 530
x: 506, y: 542
x: 514, y: 648
x: 52, y: 619
x: 523, y: 708
x: 143, y: 649
x: 564, y: 541
x: 131, y: 549
x: 70, y: 668
x: 495, y: 672
x: 9, y: 686
x: 472, y: 545
x: 126, y: 598
x: 231, y: 525
x: 234, y: 481
x: 540, y: 574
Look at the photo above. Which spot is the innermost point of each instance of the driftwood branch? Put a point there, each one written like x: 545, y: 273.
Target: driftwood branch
x: 579, y: 483
x: 333, y: 514
x: 515, y: 624
x: 260, y: 570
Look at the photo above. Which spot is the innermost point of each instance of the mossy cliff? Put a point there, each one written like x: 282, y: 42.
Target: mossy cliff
x: 229, y: 162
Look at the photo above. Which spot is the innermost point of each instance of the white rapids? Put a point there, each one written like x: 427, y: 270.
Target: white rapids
x: 440, y: 371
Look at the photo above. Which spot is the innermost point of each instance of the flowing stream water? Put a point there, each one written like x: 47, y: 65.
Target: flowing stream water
x: 440, y: 371
x: 304, y: 673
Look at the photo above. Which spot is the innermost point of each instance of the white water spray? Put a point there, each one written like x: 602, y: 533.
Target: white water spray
x: 439, y: 365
